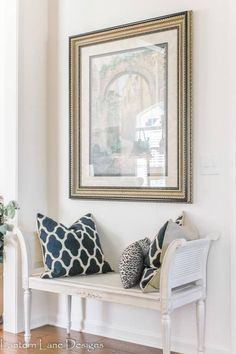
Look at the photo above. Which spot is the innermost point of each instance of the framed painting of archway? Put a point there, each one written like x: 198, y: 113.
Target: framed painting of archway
x: 130, y: 111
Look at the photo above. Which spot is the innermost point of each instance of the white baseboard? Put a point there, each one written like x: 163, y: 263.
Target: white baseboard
x: 39, y: 321
x: 36, y: 322
x: 143, y: 337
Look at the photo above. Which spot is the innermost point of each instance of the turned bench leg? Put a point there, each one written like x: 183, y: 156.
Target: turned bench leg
x: 166, y: 330
x: 83, y: 313
x: 68, y: 326
x: 200, y: 307
x: 27, y: 313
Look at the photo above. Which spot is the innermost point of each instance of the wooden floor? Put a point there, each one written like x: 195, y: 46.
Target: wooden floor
x: 53, y: 340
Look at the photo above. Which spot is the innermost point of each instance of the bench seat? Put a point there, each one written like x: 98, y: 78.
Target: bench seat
x: 108, y: 287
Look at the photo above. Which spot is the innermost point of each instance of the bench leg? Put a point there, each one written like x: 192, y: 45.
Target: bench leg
x: 68, y: 327
x: 83, y: 313
x: 201, y: 325
x: 166, y: 329
x: 27, y: 313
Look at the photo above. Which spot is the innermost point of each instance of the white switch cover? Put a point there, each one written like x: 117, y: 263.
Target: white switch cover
x: 209, y: 165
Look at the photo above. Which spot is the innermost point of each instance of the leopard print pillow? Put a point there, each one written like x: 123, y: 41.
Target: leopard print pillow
x: 131, y: 262
x: 71, y: 251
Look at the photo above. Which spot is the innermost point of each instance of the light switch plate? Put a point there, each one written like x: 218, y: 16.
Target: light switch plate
x: 209, y: 165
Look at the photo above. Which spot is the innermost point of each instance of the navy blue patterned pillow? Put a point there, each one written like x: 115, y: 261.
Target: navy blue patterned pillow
x: 152, y: 259
x: 71, y: 251
x: 170, y: 231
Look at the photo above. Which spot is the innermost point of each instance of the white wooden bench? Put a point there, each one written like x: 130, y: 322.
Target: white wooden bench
x: 183, y: 281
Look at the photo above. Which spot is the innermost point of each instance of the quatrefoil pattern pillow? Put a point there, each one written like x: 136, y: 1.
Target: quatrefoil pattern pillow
x: 71, y: 251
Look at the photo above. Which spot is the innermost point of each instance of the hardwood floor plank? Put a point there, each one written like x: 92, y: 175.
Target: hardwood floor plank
x: 54, y: 340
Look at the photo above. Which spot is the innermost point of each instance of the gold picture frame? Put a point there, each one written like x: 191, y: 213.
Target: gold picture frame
x: 131, y: 111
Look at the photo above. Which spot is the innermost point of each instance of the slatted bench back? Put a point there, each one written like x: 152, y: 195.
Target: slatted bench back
x: 184, y: 263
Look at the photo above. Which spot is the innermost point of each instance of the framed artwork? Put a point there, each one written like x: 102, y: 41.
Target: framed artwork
x: 130, y: 111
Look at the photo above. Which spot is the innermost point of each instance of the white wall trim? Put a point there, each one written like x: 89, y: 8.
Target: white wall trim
x: 12, y: 279
x: 39, y: 321
x: 232, y: 116
x: 143, y: 337
x: 9, y: 190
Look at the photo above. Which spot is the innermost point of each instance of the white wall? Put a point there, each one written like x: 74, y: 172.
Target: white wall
x: 120, y: 223
x: 32, y: 131
x: 8, y: 98
x: 232, y: 108
x: 9, y: 151
x: 43, y: 154
x: 32, y: 177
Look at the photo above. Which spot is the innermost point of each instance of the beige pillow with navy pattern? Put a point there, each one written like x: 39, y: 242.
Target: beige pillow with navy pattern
x: 191, y: 230
x: 151, y: 276
x: 174, y: 232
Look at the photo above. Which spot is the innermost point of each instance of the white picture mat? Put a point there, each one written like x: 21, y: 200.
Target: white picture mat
x: 168, y: 36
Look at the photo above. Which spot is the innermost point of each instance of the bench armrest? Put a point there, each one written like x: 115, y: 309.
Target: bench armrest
x: 185, y: 262
x: 26, y: 260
